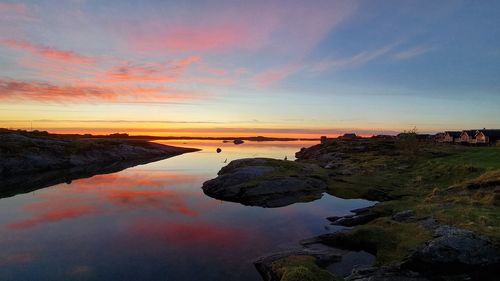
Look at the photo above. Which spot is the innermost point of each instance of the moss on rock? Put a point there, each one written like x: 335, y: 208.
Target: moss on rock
x: 300, y: 268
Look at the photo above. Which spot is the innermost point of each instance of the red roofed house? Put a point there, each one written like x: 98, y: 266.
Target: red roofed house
x: 487, y: 136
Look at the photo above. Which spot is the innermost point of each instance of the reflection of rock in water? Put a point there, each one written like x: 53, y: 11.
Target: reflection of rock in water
x: 219, y: 150
x: 14, y: 185
x: 266, y: 182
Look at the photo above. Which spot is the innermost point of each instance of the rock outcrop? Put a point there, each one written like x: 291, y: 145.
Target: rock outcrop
x: 23, y: 153
x: 456, y: 251
x: 266, y: 182
x: 31, y: 161
x: 384, y: 273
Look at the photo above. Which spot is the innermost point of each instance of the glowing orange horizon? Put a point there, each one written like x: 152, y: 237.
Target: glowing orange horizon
x: 203, y: 133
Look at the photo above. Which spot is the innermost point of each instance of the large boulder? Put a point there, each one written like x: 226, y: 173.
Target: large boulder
x: 266, y: 182
x: 456, y: 251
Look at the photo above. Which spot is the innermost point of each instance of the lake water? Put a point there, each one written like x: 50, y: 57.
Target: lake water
x: 153, y: 222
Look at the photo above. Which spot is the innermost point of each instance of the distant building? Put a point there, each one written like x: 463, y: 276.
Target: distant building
x: 487, y: 136
x: 385, y: 137
x: 468, y: 136
x: 452, y: 136
x: 349, y: 136
x: 424, y: 137
x: 439, y: 137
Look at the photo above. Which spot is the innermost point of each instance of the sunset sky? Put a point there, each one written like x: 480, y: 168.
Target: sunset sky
x: 274, y: 68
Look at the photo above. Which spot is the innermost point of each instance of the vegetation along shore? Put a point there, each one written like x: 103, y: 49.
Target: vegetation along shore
x: 436, y: 217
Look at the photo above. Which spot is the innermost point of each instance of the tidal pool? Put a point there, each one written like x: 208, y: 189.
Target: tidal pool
x: 153, y: 222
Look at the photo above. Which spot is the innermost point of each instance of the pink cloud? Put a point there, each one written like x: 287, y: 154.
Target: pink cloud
x: 12, y: 7
x: 180, y: 233
x: 292, y: 27
x: 48, y: 52
x: 192, y: 37
x: 274, y: 75
x: 55, y: 216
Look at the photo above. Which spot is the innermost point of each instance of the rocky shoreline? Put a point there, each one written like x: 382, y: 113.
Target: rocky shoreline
x: 36, y: 160
x: 407, y: 232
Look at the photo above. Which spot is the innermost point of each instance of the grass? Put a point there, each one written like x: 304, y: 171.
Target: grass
x: 285, y: 169
x: 389, y: 240
x: 300, y: 268
x: 480, y: 157
x: 456, y: 185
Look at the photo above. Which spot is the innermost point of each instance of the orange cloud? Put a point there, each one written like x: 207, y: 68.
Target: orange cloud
x: 43, y: 92
x: 160, y: 72
x: 157, y: 179
x: 48, y: 52
x: 187, y: 61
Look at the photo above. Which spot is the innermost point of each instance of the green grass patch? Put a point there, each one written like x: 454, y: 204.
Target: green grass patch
x: 479, y: 157
x: 388, y: 240
x: 301, y: 268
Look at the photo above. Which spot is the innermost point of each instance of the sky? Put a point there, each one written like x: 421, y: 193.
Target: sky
x: 274, y: 68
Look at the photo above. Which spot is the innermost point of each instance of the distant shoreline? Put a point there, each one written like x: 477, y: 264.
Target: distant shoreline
x: 150, y: 138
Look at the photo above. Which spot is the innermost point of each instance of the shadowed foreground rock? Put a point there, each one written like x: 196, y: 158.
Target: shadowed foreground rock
x: 266, y: 182
x: 384, y: 273
x: 457, y: 251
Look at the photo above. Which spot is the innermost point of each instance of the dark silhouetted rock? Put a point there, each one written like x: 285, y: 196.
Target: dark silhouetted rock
x: 353, y: 220
x: 385, y: 273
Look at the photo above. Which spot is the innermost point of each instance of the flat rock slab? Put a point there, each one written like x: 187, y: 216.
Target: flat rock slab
x: 266, y: 182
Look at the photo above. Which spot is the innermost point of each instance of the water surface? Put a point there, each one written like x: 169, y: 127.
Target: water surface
x: 153, y: 222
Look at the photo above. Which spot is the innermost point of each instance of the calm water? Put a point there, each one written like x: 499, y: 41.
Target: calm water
x: 153, y: 222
